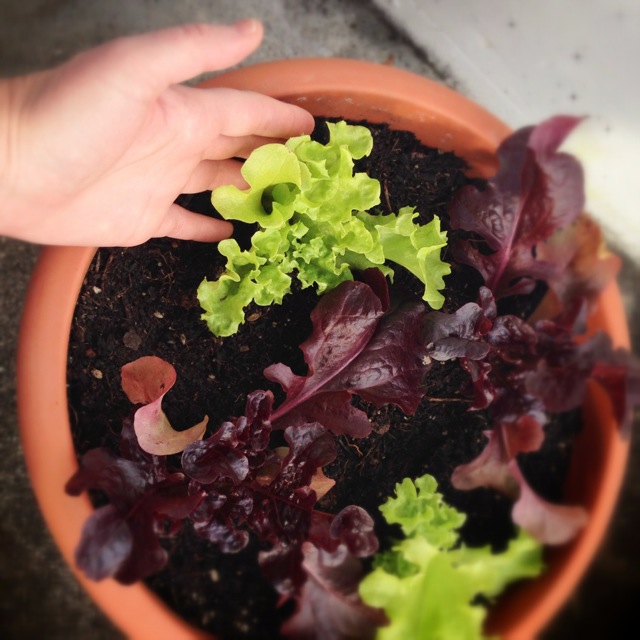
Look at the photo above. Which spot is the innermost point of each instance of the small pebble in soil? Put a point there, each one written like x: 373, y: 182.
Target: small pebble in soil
x: 132, y: 340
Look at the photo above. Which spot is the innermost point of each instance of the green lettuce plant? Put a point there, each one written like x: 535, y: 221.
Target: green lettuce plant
x: 428, y: 584
x: 312, y: 214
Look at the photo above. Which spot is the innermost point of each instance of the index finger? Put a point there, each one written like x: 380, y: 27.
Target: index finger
x: 155, y: 60
x: 218, y: 113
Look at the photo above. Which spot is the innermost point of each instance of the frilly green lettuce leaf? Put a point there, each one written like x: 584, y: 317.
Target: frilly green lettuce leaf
x: 270, y: 167
x: 415, y: 247
x: 420, y: 511
x: 311, y: 212
x: 428, y: 584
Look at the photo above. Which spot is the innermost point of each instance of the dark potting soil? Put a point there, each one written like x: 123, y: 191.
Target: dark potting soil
x: 142, y: 301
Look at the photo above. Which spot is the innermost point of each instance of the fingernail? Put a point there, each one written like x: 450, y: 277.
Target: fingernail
x: 248, y: 26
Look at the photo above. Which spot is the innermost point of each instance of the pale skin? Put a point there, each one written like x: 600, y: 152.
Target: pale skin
x: 94, y: 152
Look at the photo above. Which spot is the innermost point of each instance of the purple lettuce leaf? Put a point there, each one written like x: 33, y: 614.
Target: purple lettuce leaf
x: 352, y: 529
x: 354, y: 349
x: 105, y: 543
x: 121, y: 538
x: 275, y: 499
x: 311, y: 447
x: 328, y: 607
x: 145, y: 381
x: 344, y: 322
x: 491, y: 467
x: 277, y: 506
x: 497, y: 467
x: 224, y: 467
x: 268, y: 492
x: 459, y: 334
x: 567, y: 367
x: 285, y: 505
x: 234, y: 447
x: 221, y: 516
x: 527, y: 372
x: 518, y: 368
x: 584, y: 266
x: 124, y: 481
x: 148, y: 524
x: 552, y: 524
x: 391, y: 368
x: 619, y: 375
x: 536, y: 191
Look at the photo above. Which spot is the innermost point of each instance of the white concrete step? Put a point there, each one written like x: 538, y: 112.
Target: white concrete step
x: 526, y: 60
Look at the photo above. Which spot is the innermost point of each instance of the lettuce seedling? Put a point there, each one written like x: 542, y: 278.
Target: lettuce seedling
x: 536, y: 191
x: 145, y: 382
x: 521, y: 372
x: 357, y: 347
x: 311, y: 211
x: 428, y: 584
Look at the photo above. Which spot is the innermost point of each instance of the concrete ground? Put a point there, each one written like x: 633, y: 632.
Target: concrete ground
x: 38, y: 596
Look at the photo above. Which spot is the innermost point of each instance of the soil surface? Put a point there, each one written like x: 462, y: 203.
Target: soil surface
x: 142, y: 301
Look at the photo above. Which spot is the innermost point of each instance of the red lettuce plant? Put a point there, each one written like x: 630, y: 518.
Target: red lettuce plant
x: 235, y: 481
x: 520, y: 373
x: 536, y: 191
x: 357, y: 347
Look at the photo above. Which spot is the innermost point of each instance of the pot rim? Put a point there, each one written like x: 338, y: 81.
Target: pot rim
x: 318, y: 85
x: 451, y: 122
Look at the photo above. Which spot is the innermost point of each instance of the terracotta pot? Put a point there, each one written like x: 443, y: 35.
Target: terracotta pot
x: 327, y: 87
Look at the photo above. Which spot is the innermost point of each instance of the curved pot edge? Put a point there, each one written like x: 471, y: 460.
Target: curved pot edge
x: 56, y: 281
x: 327, y: 84
x: 607, y: 462
x: 48, y: 281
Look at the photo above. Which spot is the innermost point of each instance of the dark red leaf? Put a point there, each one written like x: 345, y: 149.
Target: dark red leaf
x: 584, y: 266
x: 457, y: 335
x: 536, y: 191
x: 143, y: 496
x: 124, y: 481
x: 225, y: 454
x: 336, y: 412
x: 551, y: 524
x: 391, y: 368
x: 329, y: 607
x: 354, y: 528
x: 106, y: 542
x: 147, y: 554
x: 344, y: 322
x: 207, y: 461
x: 357, y: 352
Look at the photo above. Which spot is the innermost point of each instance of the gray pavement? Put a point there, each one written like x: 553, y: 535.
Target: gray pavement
x: 38, y: 596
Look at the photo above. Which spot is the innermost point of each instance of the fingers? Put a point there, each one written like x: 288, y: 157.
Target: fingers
x: 153, y: 61
x: 186, y: 225
x: 227, y: 122
x: 226, y: 147
x: 243, y: 113
x: 210, y: 174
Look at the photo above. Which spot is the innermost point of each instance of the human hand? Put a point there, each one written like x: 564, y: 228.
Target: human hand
x: 96, y: 151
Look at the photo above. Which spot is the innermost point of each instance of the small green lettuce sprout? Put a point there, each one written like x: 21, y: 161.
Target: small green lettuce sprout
x: 428, y: 584
x: 311, y: 213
